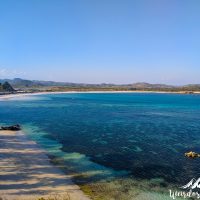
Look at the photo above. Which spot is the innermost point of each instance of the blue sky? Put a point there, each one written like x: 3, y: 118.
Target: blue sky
x: 96, y: 41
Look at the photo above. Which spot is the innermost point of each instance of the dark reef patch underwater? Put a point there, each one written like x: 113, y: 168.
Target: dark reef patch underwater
x: 104, y: 136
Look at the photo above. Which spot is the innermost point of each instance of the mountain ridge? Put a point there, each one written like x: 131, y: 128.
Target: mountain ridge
x: 26, y: 82
x: 19, y: 83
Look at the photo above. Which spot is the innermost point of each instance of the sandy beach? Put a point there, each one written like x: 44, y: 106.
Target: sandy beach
x: 26, y: 172
x: 19, y: 95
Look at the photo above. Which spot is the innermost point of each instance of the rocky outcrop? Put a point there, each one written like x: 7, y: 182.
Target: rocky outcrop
x: 7, y: 87
x: 11, y: 128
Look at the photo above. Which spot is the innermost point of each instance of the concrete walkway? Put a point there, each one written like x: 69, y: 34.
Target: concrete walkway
x: 26, y: 173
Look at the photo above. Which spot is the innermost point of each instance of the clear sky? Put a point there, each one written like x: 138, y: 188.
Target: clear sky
x: 96, y: 41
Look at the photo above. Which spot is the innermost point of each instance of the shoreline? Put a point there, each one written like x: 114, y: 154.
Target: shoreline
x: 94, y: 190
x: 27, y: 173
x: 9, y: 96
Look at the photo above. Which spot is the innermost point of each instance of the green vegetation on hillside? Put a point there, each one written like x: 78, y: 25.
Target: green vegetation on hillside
x: 51, y: 86
x: 6, y: 87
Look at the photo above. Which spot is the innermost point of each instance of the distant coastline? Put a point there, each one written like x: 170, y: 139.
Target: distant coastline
x: 21, y: 87
x: 31, y: 86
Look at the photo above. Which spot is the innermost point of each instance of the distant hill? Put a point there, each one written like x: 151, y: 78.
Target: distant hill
x: 148, y: 85
x: 22, y: 84
x: 192, y: 86
x: 18, y: 82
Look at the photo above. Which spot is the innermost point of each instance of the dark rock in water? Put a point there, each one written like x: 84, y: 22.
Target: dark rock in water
x: 12, y: 128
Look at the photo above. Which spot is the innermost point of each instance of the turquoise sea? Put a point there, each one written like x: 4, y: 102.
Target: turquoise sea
x: 108, y: 136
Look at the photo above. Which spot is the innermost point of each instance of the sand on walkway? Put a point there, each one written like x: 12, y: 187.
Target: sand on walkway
x: 26, y: 172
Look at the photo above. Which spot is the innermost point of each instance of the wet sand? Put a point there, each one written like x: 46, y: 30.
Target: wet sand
x: 26, y: 172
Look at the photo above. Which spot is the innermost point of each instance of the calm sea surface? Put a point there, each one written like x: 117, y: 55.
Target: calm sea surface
x: 143, y: 136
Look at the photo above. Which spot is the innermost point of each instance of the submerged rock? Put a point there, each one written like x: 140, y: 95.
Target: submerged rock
x: 192, y: 154
x: 11, y: 128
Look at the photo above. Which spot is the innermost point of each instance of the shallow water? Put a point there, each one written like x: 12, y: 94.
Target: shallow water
x: 107, y: 135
